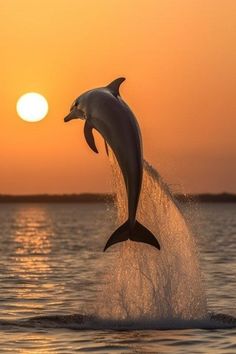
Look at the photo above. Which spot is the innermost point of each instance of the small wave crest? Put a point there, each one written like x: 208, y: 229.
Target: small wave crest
x: 92, y: 322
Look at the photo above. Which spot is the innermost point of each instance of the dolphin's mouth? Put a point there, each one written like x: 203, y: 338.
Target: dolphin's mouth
x: 74, y: 114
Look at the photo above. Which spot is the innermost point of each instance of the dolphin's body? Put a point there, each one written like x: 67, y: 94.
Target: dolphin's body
x: 104, y: 110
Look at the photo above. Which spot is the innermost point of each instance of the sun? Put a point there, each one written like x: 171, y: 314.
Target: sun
x: 32, y: 107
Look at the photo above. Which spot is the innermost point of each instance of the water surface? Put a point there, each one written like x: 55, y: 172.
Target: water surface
x: 52, y: 261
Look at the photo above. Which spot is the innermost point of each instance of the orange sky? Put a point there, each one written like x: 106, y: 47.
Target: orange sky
x: 179, y: 58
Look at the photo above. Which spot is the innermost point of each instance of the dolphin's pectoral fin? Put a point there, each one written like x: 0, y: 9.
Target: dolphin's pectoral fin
x: 139, y: 234
x: 106, y: 147
x: 115, y: 85
x: 89, y: 136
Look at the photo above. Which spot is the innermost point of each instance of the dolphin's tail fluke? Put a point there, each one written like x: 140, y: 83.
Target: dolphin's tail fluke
x: 139, y: 234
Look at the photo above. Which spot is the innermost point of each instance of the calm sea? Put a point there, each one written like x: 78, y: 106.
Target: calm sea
x: 51, y: 262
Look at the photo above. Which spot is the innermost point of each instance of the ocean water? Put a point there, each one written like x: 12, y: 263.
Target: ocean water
x: 52, y: 264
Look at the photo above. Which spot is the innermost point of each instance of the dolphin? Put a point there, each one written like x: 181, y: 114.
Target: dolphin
x: 104, y: 110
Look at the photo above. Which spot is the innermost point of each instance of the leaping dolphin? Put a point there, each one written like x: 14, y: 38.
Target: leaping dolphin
x: 104, y: 110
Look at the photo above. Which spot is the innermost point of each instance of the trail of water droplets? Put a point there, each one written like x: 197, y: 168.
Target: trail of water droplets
x: 142, y: 282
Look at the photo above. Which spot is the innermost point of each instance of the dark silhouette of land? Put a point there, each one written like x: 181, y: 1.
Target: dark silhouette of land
x: 207, y: 197
x: 57, y: 198
x: 101, y: 198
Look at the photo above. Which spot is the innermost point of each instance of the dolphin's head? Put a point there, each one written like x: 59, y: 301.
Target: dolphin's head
x: 75, y: 111
x: 80, y: 105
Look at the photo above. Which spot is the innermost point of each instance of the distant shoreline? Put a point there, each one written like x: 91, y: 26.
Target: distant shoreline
x: 107, y: 198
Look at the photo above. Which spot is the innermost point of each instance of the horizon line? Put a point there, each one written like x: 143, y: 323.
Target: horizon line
x: 224, y: 197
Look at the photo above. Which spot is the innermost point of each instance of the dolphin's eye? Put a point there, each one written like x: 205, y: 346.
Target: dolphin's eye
x: 73, y: 105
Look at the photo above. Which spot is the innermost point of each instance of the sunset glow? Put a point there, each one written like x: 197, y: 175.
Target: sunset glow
x: 178, y: 58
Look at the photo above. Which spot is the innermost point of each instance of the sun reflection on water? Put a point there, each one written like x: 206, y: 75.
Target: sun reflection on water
x: 34, y: 232
x: 31, y: 263
x: 32, y: 237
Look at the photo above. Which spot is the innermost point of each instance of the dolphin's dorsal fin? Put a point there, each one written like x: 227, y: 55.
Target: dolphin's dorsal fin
x: 88, y: 134
x: 115, y: 85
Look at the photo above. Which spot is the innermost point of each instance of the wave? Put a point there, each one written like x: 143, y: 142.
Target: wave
x: 92, y: 322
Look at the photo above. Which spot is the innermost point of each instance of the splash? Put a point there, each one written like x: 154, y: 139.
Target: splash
x: 143, y: 283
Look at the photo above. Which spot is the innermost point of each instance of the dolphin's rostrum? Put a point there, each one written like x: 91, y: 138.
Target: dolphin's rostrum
x: 104, y: 110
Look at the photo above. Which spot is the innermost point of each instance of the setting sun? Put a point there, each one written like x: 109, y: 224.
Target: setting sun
x: 32, y: 107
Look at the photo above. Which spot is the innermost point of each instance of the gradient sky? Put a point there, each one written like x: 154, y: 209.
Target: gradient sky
x: 179, y: 58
